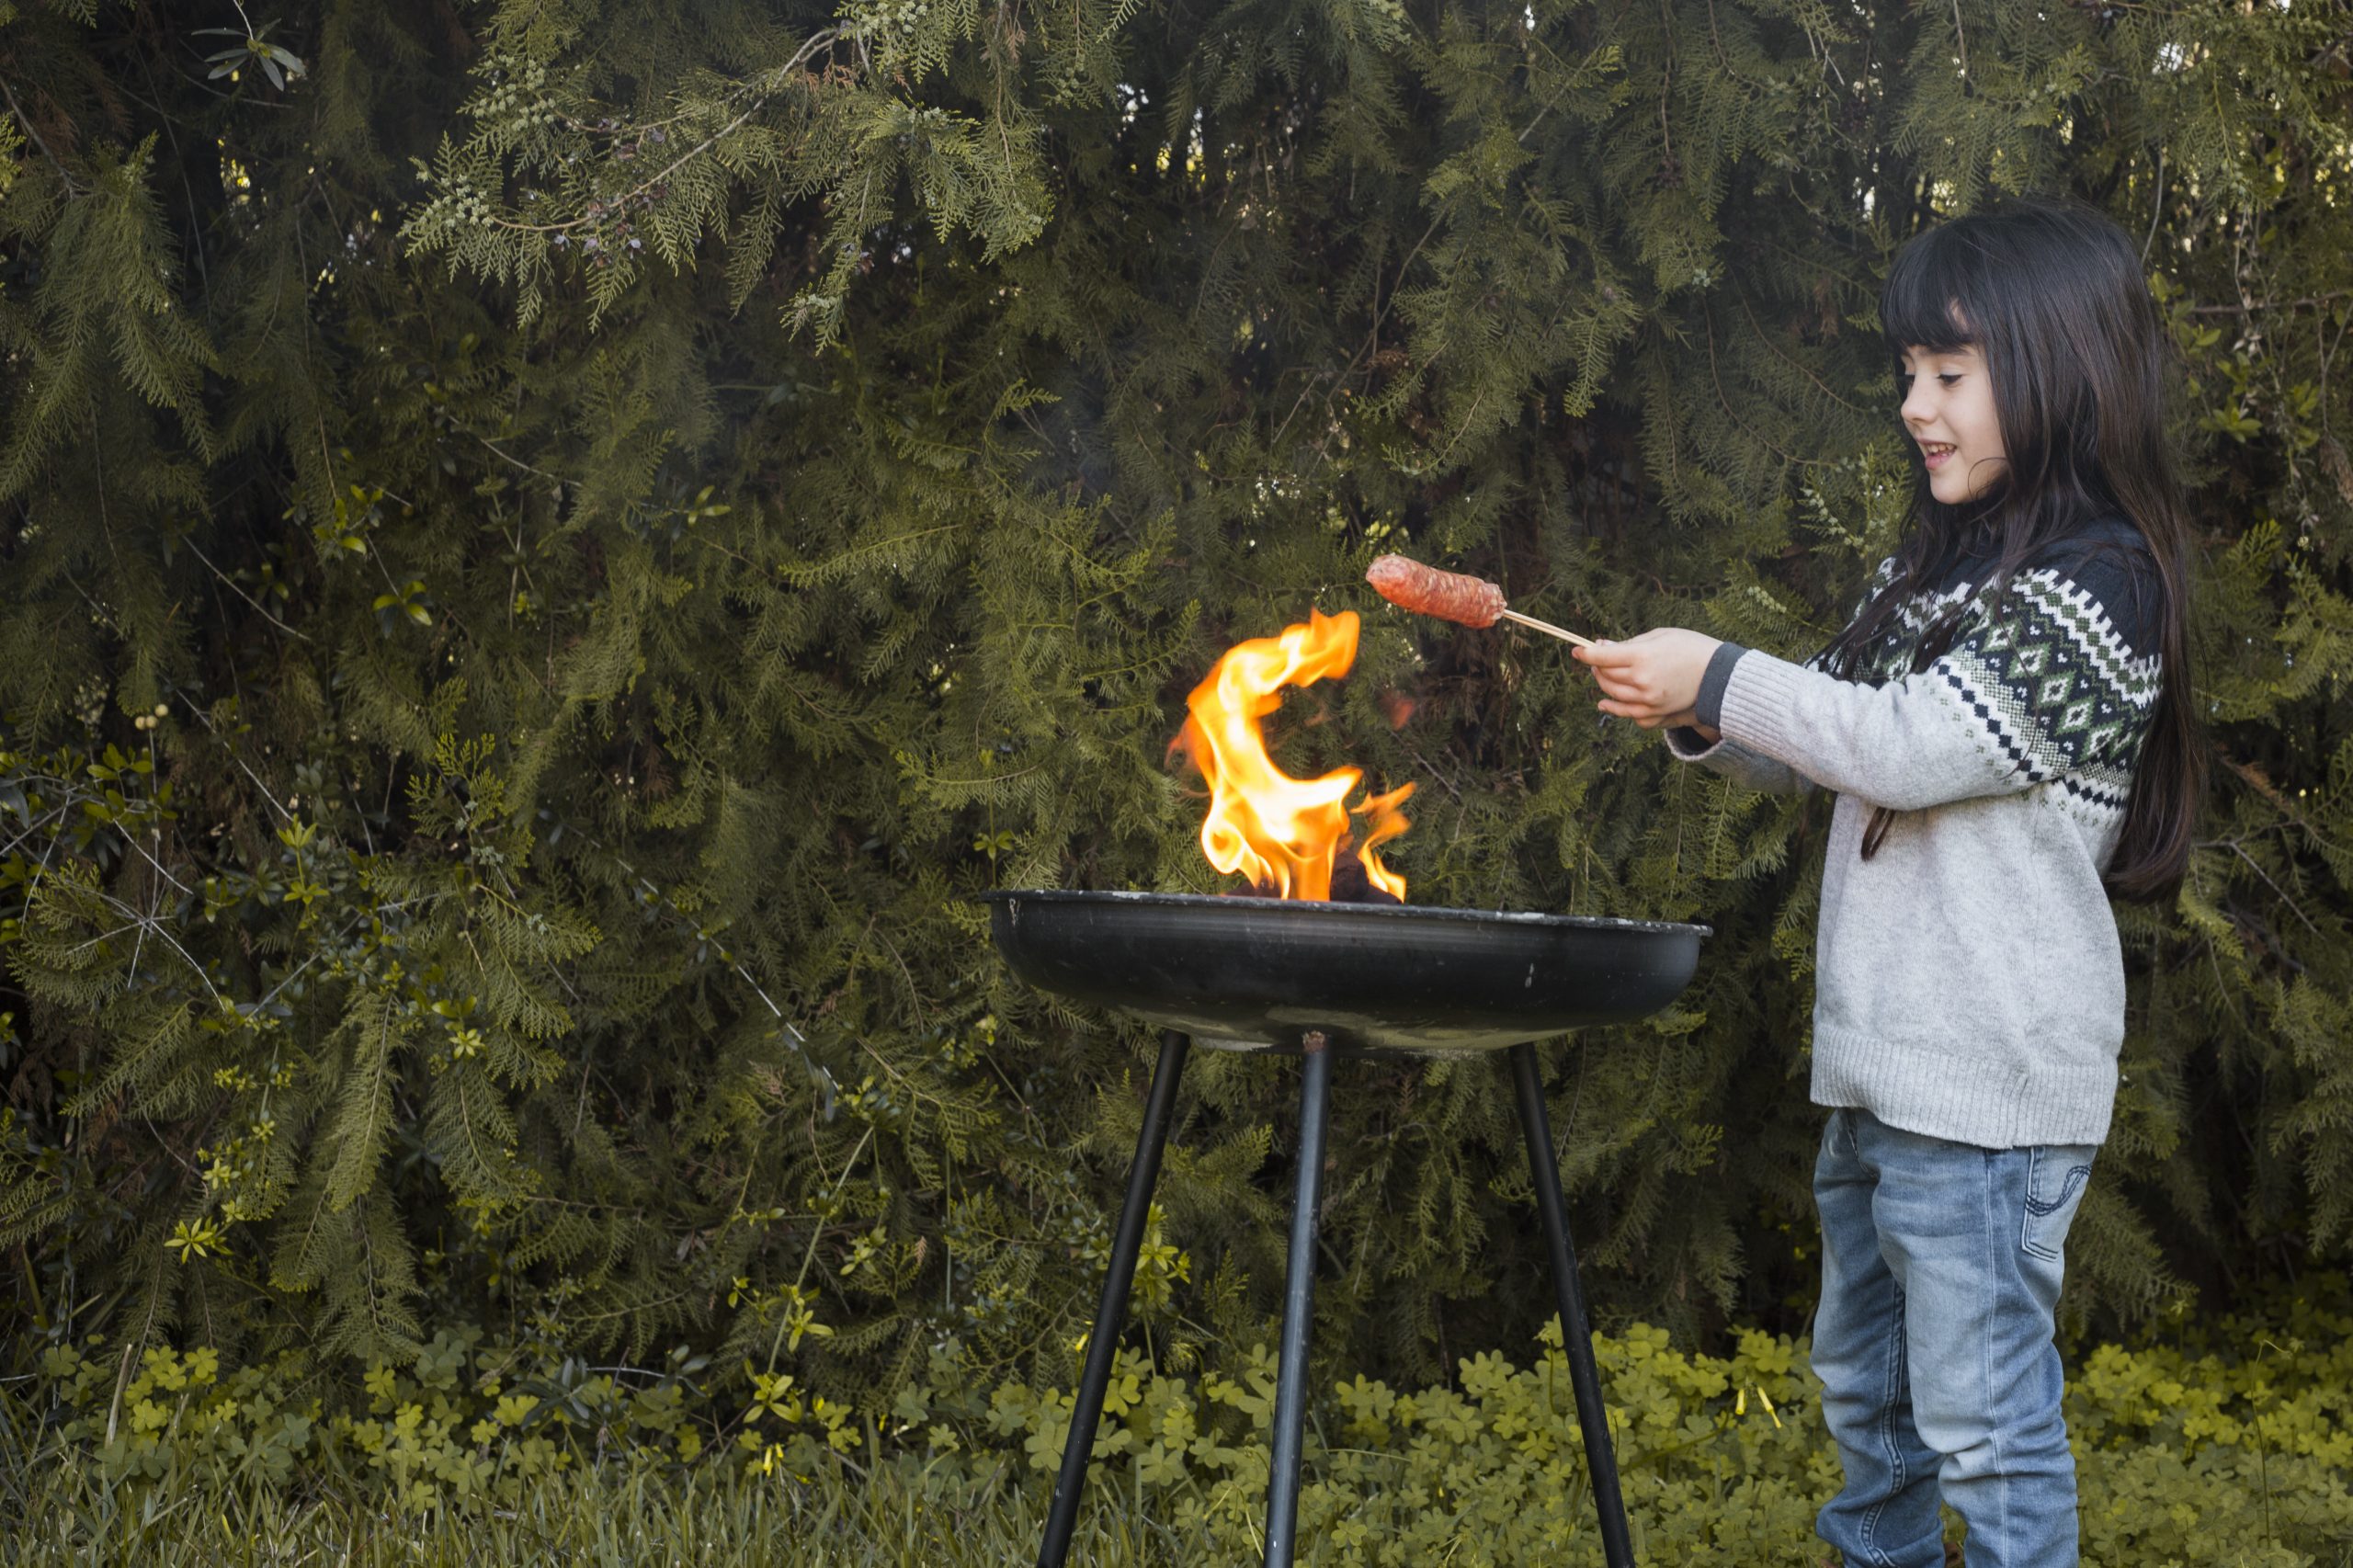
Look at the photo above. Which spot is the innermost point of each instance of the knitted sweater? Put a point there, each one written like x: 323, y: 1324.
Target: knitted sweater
x: 1968, y: 983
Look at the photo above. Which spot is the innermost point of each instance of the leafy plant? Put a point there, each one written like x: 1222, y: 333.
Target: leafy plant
x: 546, y: 557
x: 2224, y: 1446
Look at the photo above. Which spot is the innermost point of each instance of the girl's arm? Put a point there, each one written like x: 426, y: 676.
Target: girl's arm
x: 1920, y: 741
x: 1646, y: 679
x: 2046, y: 686
x: 1750, y: 769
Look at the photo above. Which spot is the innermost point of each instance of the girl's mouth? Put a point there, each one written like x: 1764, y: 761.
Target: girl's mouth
x: 1936, y: 454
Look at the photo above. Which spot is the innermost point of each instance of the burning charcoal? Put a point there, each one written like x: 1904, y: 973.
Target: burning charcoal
x: 1350, y: 885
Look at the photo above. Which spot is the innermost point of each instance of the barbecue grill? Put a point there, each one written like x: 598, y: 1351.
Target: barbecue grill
x: 1322, y: 981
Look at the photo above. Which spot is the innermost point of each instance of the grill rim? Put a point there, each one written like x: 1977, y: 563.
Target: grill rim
x: 1405, y: 912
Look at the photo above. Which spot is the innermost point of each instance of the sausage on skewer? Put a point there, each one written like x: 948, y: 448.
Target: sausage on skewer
x: 1426, y: 590
x: 1451, y: 596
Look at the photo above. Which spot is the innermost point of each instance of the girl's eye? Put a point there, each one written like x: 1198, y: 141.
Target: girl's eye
x: 1949, y: 377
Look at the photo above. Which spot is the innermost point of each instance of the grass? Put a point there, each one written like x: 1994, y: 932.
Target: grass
x: 2186, y: 1457
x: 58, y: 1510
x: 54, y: 1516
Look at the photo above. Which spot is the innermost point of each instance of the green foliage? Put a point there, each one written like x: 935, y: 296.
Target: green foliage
x: 2233, y: 1454
x: 2229, y: 1447
x: 496, y: 734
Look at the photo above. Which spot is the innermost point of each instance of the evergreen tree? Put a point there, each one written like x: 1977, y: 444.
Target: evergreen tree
x: 549, y: 548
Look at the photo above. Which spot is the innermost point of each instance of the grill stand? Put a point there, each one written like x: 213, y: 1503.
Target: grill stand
x: 1290, y: 1377
x: 1576, y: 1338
x: 1111, y: 1310
x: 1298, y: 1304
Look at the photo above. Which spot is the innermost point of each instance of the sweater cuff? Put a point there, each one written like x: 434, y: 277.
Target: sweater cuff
x: 1757, y: 704
x: 1709, y: 707
x: 1688, y: 745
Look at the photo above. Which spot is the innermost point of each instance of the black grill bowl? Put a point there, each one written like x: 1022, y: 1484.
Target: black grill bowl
x: 1375, y: 979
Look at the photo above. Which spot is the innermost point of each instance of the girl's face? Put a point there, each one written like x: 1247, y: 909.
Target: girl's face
x: 1948, y: 409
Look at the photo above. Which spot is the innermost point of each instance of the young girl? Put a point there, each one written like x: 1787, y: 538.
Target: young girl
x: 2007, y: 726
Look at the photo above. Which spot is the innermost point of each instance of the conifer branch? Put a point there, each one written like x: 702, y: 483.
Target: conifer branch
x: 1707, y: 332
x: 522, y: 945
x: 1799, y: 366
x: 2252, y: 865
x: 73, y: 186
x: 816, y: 41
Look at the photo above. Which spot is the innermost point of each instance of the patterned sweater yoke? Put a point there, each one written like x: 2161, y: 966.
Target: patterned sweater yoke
x: 2051, y: 666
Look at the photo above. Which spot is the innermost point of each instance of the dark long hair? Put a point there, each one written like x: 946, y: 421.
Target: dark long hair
x: 2051, y: 294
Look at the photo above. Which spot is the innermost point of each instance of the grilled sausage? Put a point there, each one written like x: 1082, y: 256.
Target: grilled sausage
x: 1426, y: 590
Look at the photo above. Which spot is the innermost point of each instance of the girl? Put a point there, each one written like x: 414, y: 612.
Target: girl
x: 2007, y: 726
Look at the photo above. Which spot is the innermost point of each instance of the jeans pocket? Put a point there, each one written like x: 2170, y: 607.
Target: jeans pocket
x: 2056, y: 1177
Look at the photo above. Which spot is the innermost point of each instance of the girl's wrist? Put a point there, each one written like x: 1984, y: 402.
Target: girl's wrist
x: 1706, y: 705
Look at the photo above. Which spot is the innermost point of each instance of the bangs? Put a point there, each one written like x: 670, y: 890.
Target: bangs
x: 1924, y: 302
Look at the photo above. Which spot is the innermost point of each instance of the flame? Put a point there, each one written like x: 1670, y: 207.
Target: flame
x: 1281, y: 833
x: 1386, y: 822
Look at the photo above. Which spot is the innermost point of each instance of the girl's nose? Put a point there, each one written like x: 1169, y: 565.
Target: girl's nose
x: 1918, y: 409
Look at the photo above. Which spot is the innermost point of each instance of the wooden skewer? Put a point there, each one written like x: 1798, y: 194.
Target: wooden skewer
x: 1546, y: 626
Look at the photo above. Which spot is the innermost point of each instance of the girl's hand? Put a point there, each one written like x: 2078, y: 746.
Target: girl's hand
x: 1652, y: 679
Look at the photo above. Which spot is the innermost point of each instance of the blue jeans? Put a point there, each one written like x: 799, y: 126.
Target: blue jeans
x: 1941, y: 1269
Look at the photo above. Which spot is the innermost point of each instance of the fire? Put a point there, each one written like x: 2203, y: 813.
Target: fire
x: 1284, y: 833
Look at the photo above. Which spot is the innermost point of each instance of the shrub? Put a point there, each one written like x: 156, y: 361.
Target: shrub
x: 546, y: 548
x: 2228, y: 1446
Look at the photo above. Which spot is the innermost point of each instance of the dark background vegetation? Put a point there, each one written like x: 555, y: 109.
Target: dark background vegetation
x: 546, y: 548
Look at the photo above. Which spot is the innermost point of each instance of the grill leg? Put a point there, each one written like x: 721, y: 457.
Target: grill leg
x: 1103, y: 1343
x: 1299, y: 1308
x: 1576, y: 1339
